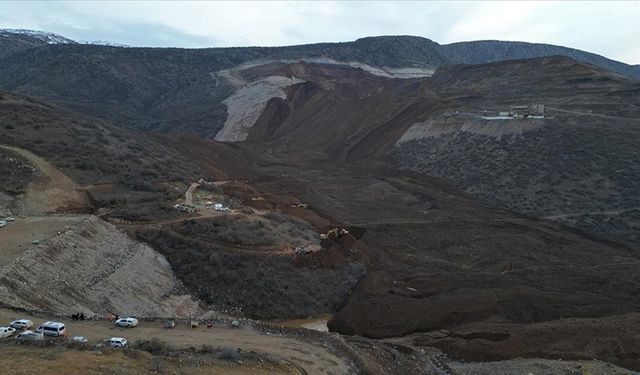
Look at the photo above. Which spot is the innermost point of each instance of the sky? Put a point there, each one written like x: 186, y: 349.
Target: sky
x: 607, y: 28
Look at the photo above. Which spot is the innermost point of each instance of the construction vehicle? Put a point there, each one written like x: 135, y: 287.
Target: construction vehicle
x: 334, y: 233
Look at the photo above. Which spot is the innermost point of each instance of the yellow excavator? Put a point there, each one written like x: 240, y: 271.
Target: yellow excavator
x: 334, y: 233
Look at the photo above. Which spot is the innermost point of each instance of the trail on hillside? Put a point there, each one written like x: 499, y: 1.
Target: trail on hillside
x: 574, y: 214
x: 592, y: 114
x: 55, y: 193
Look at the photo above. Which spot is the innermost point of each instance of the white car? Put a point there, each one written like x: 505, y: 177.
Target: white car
x: 3, y: 223
x: 30, y: 335
x: 6, y: 332
x: 127, y: 322
x: 21, y: 324
x: 10, y: 218
x: 116, y: 342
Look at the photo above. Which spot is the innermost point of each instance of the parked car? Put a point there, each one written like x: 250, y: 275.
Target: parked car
x: 127, y: 322
x: 116, y: 342
x: 9, y: 219
x: 30, y: 336
x: 6, y: 332
x: 52, y: 329
x: 79, y: 339
x: 3, y: 223
x: 21, y: 324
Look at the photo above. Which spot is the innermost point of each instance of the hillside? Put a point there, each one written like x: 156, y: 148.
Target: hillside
x: 146, y: 88
x: 578, y: 166
x: 15, y: 41
x: 93, y: 268
x: 438, y: 223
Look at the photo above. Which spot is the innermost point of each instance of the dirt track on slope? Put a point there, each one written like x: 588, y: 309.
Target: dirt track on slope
x: 554, y: 109
x: 55, y: 193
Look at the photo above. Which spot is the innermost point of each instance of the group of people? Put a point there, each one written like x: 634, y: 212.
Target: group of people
x: 78, y: 316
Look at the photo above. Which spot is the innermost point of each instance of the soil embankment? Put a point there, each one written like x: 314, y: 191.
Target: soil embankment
x: 94, y: 268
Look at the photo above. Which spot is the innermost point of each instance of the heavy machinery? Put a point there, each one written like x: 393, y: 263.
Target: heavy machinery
x: 334, y: 233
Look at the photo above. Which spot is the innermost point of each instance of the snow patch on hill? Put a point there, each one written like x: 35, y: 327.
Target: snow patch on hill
x: 49, y: 38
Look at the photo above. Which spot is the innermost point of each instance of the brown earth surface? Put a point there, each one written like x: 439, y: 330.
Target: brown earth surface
x: 54, y: 192
x: 422, y: 255
x: 26, y: 360
x: 614, y: 339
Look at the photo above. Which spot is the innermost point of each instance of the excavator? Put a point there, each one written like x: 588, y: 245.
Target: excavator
x: 334, y: 233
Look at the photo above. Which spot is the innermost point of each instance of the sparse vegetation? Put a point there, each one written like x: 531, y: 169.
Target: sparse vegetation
x: 263, y: 286
x: 543, y: 172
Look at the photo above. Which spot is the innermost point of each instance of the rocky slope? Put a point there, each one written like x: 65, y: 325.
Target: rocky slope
x: 94, y: 268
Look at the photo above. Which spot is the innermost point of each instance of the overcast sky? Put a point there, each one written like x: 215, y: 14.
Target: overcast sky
x: 608, y: 28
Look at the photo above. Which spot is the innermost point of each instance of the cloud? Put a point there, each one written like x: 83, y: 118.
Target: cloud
x: 607, y: 28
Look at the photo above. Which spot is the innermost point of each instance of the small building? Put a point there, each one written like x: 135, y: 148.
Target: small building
x: 525, y: 111
x: 537, y: 109
x: 519, y: 111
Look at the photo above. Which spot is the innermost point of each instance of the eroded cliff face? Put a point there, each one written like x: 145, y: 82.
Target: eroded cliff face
x: 94, y: 268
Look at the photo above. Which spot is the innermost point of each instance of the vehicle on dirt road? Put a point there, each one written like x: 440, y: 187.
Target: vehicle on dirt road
x: 3, y: 223
x: 127, y: 322
x: 79, y: 339
x: 116, y: 342
x: 9, y: 219
x: 21, y: 324
x: 6, y: 332
x: 30, y: 336
x: 52, y: 329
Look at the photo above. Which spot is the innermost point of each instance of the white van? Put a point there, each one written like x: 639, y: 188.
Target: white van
x: 52, y: 329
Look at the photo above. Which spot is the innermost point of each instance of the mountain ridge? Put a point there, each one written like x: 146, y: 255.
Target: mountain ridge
x: 425, y: 51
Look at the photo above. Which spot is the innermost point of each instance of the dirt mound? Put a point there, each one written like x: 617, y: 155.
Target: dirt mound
x: 94, y: 268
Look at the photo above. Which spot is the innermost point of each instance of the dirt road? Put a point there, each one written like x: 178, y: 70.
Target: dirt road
x: 311, y: 357
x: 609, y: 212
x: 592, y: 114
x: 56, y: 193
x: 188, y: 195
